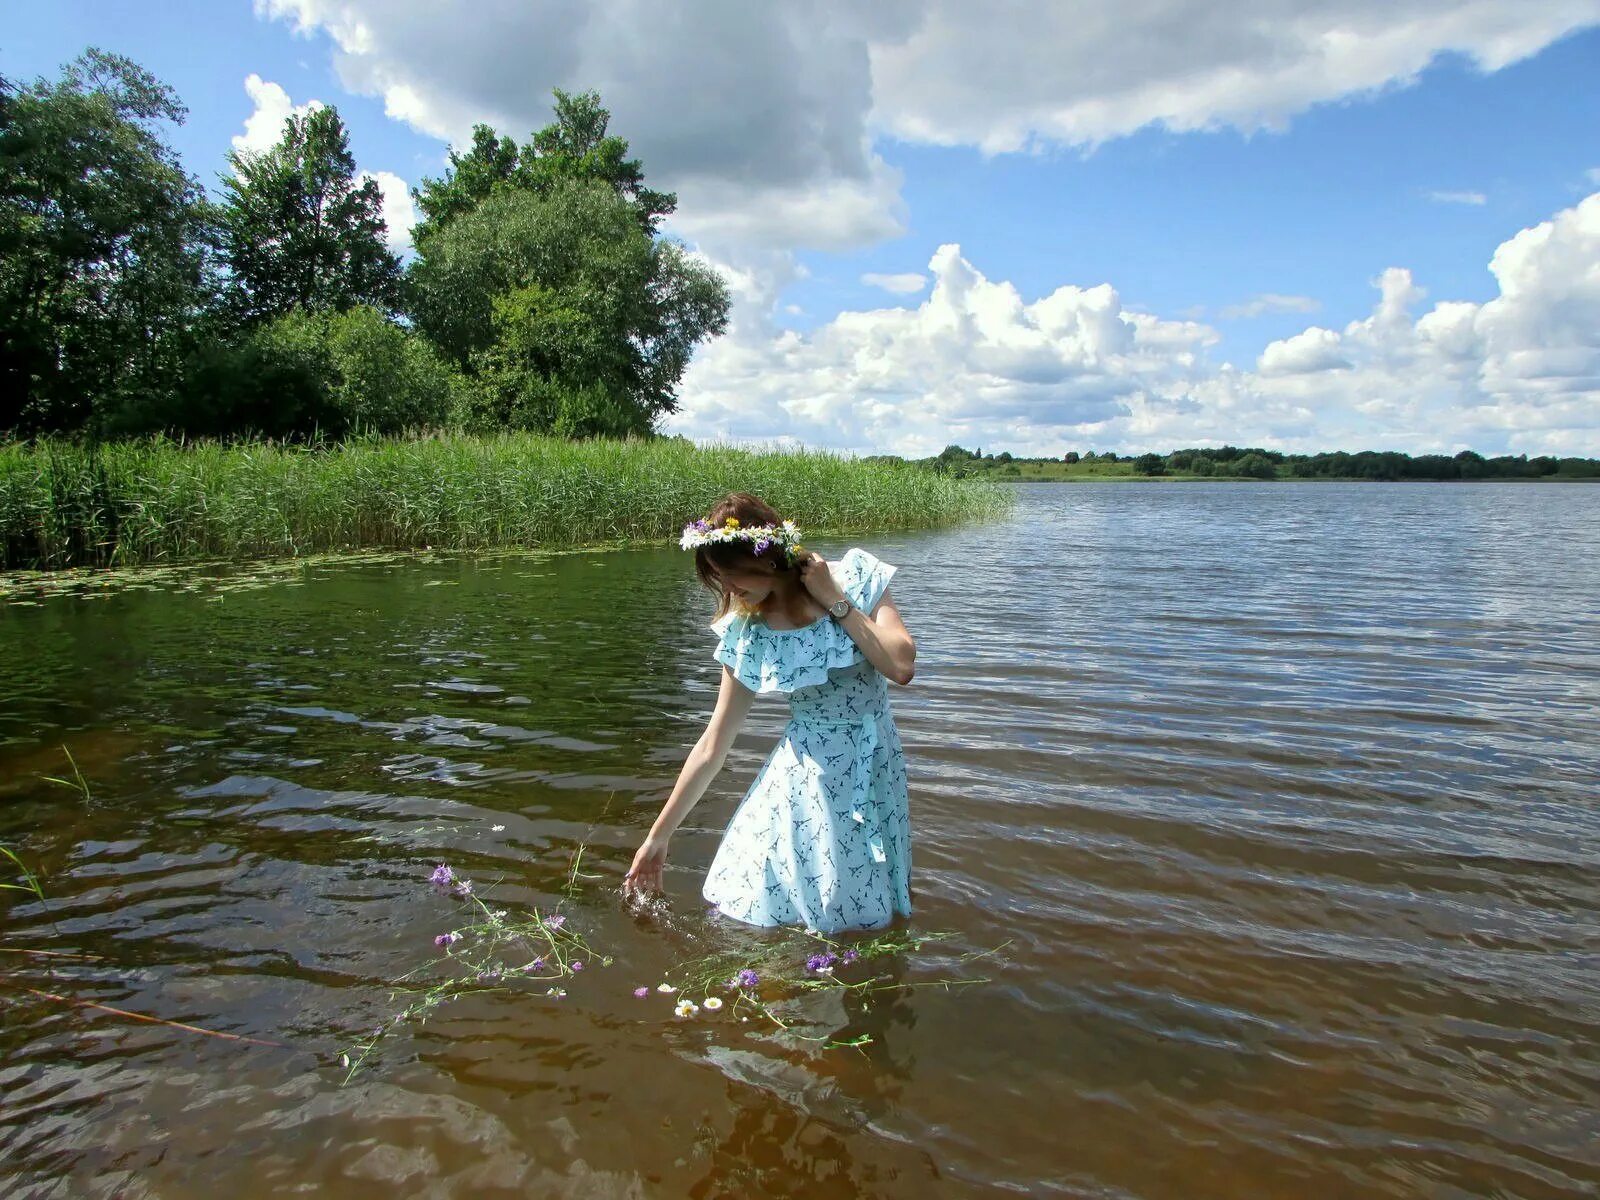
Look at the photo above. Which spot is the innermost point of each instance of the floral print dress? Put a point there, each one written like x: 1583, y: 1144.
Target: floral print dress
x: 822, y: 837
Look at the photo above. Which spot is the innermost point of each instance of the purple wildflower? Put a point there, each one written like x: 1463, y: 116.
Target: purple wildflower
x: 537, y: 964
x: 577, y: 966
x: 446, y: 939
x: 442, y: 876
x: 821, y: 962
x: 464, y: 887
x: 850, y: 956
x: 747, y: 978
x: 555, y: 922
x: 641, y: 992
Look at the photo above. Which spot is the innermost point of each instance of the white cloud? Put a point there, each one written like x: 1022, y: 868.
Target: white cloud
x: 1085, y: 73
x: 1474, y: 199
x: 1269, y: 302
x: 908, y: 284
x: 1313, y: 350
x: 263, y: 128
x: 763, y: 117
x: 973, y: 359
x: 399, y: 210
x: 976, y: 364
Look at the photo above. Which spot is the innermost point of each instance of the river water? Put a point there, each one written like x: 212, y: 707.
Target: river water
x: 1279, y: 801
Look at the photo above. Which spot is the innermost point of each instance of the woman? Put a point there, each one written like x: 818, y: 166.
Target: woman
x: 822, y: 837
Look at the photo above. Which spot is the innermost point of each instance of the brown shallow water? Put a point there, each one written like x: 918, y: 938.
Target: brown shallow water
x: 1284, y: 797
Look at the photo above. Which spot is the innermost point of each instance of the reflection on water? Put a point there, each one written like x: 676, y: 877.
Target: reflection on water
x: 1283, y: 794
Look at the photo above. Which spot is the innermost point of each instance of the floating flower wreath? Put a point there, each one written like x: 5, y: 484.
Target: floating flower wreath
x: 762, y: 537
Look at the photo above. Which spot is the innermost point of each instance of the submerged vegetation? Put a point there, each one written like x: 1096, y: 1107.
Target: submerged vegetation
x: 495, y: 950
x: 159, y: 501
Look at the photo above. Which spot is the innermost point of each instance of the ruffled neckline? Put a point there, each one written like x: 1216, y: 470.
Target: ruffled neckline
x: 774, y: 660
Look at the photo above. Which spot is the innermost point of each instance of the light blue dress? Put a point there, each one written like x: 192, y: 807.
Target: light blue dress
x: 822, y: 837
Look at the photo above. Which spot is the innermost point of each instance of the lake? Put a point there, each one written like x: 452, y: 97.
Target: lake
x: 1279, y: 801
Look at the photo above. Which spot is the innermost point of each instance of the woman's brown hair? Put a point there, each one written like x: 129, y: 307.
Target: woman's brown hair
x: 748, y: 509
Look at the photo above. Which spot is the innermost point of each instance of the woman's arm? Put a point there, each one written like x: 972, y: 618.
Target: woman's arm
x: 882, y: 635
x: 884, y: 639
x: 699, y: 769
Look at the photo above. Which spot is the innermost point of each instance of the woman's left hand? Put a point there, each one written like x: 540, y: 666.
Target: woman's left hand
x: 818, y: 580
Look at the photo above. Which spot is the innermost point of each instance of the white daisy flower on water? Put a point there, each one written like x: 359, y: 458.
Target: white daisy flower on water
x: 687, y: 1007
x: 665, y: 987
x: 712, y: 1003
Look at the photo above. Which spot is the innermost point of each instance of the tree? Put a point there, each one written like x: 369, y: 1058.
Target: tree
x: 1255, y: 465
x: 575, y: 146
x: 299, y: 232
x: 313, y: 373
x: 1149, y: 464
x: 544, y: 299
x: 104, y: 261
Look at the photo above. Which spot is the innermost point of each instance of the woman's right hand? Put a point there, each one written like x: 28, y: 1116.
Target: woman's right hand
x: 644, y: 875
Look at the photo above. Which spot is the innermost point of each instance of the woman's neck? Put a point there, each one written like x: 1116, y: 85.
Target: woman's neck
x: 788, y: 601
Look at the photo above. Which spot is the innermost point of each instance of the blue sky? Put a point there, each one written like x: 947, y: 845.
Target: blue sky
x: 1430, y: 173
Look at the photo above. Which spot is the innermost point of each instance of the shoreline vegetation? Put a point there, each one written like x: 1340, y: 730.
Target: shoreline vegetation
x: 164, y: 502
x: 1255, y: 463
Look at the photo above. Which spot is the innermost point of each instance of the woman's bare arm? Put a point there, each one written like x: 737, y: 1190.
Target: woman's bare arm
x: 699, y: 769
x: 884, y: 639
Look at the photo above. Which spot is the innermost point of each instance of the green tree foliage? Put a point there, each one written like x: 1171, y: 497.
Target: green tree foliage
x: 104, y: 247
x: 309, y: 373
x: 299, y: 231
x: 1255, y: 465
x: 537, y: 295
x: 1149, y: 464
x: 575, y: 146
x: 540, y: 276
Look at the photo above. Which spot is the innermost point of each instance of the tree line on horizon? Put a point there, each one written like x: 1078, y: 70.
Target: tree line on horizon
x: 1257, y: 463
x: 541, y: 295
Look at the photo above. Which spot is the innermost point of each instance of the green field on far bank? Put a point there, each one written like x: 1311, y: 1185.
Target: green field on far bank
x: 65, y: 504
x: 1257, y: 463
x: 1122, y: 472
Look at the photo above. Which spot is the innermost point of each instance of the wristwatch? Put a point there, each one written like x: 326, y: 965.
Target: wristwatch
x: 840, y: 608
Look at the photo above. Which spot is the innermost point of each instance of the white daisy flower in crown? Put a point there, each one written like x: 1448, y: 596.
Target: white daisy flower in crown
x: 712, y: 1003
x: 687, y: 1007
x: 785, y: 534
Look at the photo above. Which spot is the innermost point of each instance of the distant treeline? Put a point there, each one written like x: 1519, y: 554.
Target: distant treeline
x: 540, y: 298
x: 1257, y: 463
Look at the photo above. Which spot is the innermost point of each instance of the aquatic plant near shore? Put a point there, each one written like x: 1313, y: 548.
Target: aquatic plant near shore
x: 787, y: 971
x: 494, y: 950
x: 163, y: 502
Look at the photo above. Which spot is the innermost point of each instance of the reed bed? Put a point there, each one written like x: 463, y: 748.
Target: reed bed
x: 160, y: 501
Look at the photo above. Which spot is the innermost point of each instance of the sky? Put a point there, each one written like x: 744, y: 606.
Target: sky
x: 1304, y: 225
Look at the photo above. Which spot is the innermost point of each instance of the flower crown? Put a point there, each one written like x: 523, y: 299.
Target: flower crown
x: 703, y: 533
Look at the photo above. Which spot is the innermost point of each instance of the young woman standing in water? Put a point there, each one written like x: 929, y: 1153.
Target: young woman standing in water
x: 822, y: 837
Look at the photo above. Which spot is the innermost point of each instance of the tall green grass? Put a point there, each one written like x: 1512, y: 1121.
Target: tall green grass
x: 127, y: 503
